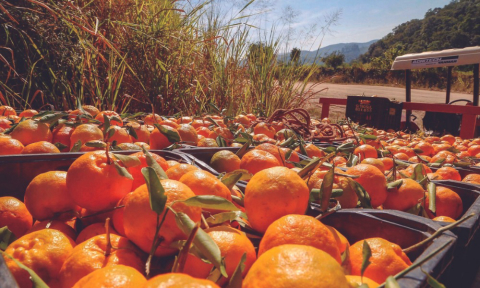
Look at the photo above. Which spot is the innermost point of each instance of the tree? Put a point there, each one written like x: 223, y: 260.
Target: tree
x: 260, y: 53
x: 295, y: 55
x: 334, y: 60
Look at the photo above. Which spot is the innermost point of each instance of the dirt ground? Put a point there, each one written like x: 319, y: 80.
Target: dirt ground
x: 344, y: 90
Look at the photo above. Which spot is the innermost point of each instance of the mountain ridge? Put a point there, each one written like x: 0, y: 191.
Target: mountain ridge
x: 351, y: 50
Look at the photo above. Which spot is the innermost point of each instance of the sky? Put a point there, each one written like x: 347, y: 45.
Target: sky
x: 300, y: 22
x: 361, y: 20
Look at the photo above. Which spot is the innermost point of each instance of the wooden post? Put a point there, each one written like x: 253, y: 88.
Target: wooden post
x: 475, y: 84
x: 449, y: 84
x: 408, y: 95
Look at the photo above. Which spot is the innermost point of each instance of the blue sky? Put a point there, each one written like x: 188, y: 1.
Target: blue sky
x: 357, y: 21
x: 361, y: 20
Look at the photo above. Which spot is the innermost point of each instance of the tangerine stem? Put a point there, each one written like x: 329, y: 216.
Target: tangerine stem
x: 109, y: 162
x: 108, y: 249
x: 155, y: 243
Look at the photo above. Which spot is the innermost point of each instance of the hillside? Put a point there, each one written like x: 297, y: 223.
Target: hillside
x: 351, y: 51
x: 456, y: 25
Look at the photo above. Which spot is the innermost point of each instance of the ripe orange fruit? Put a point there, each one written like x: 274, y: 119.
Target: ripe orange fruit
x: 177, y: 171
x: 301, y: 230
x: 174, y: 280
x: 207, y: 142
x: 117, y: 216
x: 117, y: 276
x: 172, y: 163
x: 136, y: 171
x: 40, y: 148
x: 443, y: 219
x: 140, y: 221
x: 143, y: 135
x: 47, y: 196
x: 9, y: 146
x: 184, y: 119
x: 110, y: 114
x: 15, y: 215
x: 387, y: 259
x: 472, y: 178
x: 42, y: 251
x: 62, y: 134
x: 221, y: 131
x: 273, y: 193
x: 372, y: 180
x: 225, y: 161
x: 295, y: 266
x: 473, y: 150
x: 204, y: 183
x: 279, y: 153
x: 387, y: 163
x: 401, y: 156
x: 93, y: 230
x: 92, y: 110
x: 449, y: 173
x: 233, y: 244
x: 405, y: 197
x: 7, y: 111
x: 28, y: 113
x: 406, y: 150
x: 92, y: 255
x: 85, y: 133
x: 151, y: 119
x: 426, y: 147
x: 30, y: 131
x: 365, y: 151
x: 257, y: 160
x: 188, y: 133
x: 356, y: 281
x: 95, y: 184
x: 264, y: 128
x: 374, y: 162
x: 449, y: 138
x: 54, y: 225
x: 447, y: 156
x: 5, y: 123
x: 120, y: 135
x: 158, y: 140
x: 411, y: 168
x: 342, y: 242
x: 448, y: 203
x: 312, y: 151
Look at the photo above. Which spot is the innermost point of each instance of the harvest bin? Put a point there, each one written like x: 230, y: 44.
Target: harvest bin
x: 403, y: 229
x: 467, y: 251
x: 377, y: 112
x: 17, y: 171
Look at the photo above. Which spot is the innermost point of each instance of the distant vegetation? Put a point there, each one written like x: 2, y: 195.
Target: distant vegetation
x: 456, y: 25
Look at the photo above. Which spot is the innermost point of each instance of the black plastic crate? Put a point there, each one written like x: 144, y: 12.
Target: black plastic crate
x: 375, y: 112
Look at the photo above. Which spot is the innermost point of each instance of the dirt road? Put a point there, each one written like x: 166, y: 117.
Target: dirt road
x: 343, y: 90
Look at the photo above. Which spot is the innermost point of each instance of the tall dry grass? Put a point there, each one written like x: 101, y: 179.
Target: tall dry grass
x: 141, y: 55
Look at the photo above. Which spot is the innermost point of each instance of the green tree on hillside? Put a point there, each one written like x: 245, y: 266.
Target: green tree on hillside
x: 295, y: 55
x: 334, y: 60
x: 457, y: 25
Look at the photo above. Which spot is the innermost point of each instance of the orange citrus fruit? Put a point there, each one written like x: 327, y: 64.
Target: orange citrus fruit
x: 15, y: 215
x: 301, y: 230
x: 295, y: 266
x: 273, y: 193
x: 94, y: 183
x: 140, y: 220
